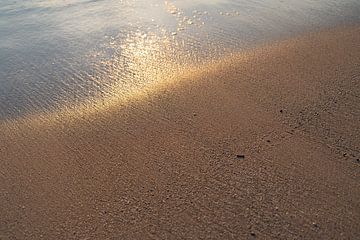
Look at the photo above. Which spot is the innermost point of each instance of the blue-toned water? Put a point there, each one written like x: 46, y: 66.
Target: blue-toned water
x: 63, y: 52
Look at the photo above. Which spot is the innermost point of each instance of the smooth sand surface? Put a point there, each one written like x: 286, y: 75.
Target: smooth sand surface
x: 169, y: 166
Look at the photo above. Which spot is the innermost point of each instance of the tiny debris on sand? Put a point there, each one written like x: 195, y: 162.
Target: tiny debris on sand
x: 240, y: 156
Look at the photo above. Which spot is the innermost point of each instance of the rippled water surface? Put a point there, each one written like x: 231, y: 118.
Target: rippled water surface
x: 56, y: 53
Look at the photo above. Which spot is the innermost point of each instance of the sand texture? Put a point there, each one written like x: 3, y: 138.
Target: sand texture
x: 264, y: 145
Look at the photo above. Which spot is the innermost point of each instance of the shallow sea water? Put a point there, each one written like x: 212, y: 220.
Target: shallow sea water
x: 56, y: 53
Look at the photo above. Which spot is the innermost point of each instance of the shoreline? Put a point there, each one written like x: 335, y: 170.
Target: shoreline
x: 167, y: 167
x: 119, y: 97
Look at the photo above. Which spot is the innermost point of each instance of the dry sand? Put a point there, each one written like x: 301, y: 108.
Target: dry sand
x: 169, y: 166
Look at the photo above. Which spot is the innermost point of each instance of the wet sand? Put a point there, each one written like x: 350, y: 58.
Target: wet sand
x: 264, y: 144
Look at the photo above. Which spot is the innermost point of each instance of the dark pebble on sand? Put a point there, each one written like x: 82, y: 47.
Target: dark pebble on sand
x: 253, y: 234
x: 281, y: 111
x: 239, y: 156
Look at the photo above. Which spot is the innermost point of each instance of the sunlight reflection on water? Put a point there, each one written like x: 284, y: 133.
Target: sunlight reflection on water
x: 64, y: 52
